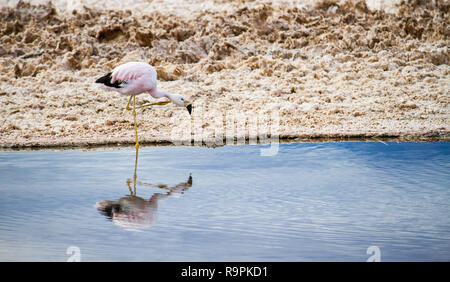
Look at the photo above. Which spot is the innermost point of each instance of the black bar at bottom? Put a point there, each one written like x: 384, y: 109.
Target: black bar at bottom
x: 223, y: 271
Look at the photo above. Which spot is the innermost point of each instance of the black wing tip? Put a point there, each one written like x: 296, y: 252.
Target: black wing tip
x: 106, y: 80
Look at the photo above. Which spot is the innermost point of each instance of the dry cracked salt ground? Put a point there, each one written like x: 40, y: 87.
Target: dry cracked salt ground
x: 332, y: 69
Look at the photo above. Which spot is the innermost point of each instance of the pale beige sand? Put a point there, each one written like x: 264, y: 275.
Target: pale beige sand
x: 334, y: 69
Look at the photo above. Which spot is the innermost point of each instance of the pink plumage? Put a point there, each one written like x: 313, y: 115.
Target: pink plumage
x: 135, y: 78
x: 132, y: 78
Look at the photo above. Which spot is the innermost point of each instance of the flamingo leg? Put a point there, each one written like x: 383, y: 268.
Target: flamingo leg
x: 128, y: 108
x: 128, y: 105
x: 135, y: 123
x: 129, y: 186
x: 135, y: 170
x: 134, y: 181
x: 159, y: 103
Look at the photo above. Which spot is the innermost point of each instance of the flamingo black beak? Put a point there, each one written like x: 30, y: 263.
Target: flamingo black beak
x: 188, y: 107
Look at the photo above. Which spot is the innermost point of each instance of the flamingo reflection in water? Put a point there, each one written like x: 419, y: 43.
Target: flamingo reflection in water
x: 134, y: 213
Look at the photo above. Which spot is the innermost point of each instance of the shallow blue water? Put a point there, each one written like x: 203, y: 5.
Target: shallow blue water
x: 309, y: 202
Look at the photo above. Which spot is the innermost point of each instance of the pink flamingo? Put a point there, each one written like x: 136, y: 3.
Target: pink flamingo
x: 135, y: 78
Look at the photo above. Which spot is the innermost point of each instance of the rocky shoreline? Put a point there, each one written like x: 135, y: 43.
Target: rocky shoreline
x: 333, y: 70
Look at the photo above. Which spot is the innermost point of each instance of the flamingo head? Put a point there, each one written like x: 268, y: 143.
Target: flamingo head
x: 181, y: 101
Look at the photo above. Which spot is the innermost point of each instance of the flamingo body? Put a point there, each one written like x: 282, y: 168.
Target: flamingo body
x: 132, y: 78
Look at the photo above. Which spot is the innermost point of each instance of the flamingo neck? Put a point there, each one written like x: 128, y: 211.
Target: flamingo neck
x: 161, y: 94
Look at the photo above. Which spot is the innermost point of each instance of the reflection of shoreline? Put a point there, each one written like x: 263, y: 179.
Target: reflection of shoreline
x: 133, y: 212
x: 283, y: 139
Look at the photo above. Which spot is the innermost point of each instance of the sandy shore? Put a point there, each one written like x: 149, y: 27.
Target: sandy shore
x: 333, y: 69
